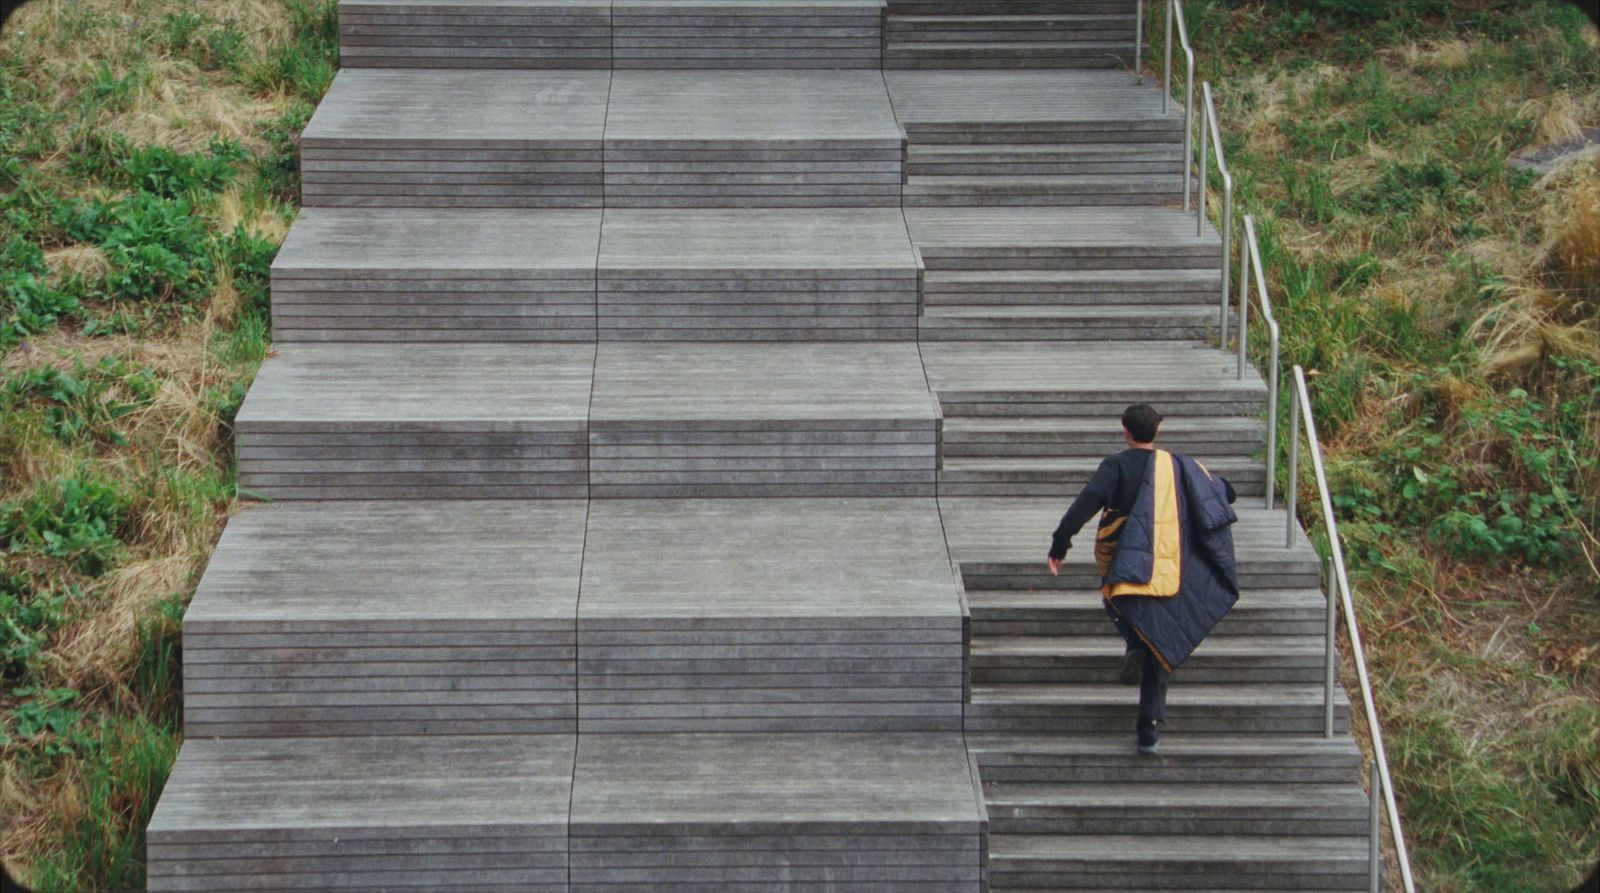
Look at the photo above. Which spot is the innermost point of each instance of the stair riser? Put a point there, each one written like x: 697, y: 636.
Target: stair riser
x: 902, y: 59
x: 1141, y: 137
x: 1078, y: 295
x: 934, y: 329
x: 1010, y: 7
x: 952, y: 32
x: 1045, y: 483
x: 1284, y: 823
x: 1195, y: 671
x: 1016, y: 874
x: 1048, y: 168
x: 936, y: 258
x: 1194, y: 406
x: 1235, y: 624
x: 1244, y: 769
x: 1212, y: 720
x: 1257, y: 574
x: 1050, y: 199
x: 967, y: 445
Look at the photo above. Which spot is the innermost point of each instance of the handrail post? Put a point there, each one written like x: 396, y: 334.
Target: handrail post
x: 1272, y: 419
x: 1293, y: 496
x: 1227, y: 231
x: 1374, y: 859
x: 1330, y: 665
x: 1138, y: 40
x: 1200, y: 192
x: 1166, y: 78
x: 1188, y: 131
x: 1244, y: 290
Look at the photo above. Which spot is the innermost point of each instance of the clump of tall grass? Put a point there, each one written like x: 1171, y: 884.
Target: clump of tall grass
x: 147, y: 176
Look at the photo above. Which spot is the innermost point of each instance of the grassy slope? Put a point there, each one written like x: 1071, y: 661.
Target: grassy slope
x: 146, y: 179
x: 1428, y: 285
x: 1445, y: 304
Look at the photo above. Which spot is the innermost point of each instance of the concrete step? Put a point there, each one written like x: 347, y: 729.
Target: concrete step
x: 510, y: 34
x: 757, y: 275
x: 1259, y: 612
x: 1176, y: 862
x: 1062, y: 190
x: 1044, y: 159
x: 1293, y: 709
x: 470, y: 812
x: 1096, y: 660
x: 1000, y: 543
x: 1068, y: 380
x: 935, y: 54
x: 1005, y: 28
x: 1185, y: 758
x: 1061, y: 239
x: 1098, y: 288
x: 319, y: 620
x: 1208, y: 439
x: 888, y: 812
x: 1033, y: 322
x: 1165, y: 809
x: 452, y: 138
x: 763, y: 615
x: 710, y: 139
x: 1033, y: 476
x: 1009, y: 7
x: 796, y: 34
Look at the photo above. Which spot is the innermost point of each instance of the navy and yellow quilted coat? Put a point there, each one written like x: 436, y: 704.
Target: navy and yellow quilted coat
x: 1172, y: 575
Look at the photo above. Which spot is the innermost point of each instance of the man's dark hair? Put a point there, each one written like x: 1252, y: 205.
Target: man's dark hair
x: 1142, y: 422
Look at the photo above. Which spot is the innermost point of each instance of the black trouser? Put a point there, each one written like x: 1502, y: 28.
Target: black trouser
x: 1153, y: 681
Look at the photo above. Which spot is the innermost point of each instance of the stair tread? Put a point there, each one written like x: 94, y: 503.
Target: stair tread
x: 1110, y: 646
x: 1134, y: 849
x: 1164, y: 794
x: 1173, y: 745
x: 1234, y: 464
x: 1172, y: 150
x: 1200, y: 276
x: 1275, y: 694
x: 1166, y: 181
x: 1116, y: 45
x: 1188, y: 313
x: 1221, y: 424
x: 1008, y: 17
x: 1057, y: 599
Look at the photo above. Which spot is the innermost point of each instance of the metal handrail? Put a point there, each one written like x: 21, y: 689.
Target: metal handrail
x: 1209, y: 125
x: 1301, y: 412
x: 1250, y: 261
x: 1138, y: 39
x: 1175, y: 13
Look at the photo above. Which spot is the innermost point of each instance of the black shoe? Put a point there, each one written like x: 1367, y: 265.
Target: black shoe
x: 1148, y: 738
x: 1132, y: 666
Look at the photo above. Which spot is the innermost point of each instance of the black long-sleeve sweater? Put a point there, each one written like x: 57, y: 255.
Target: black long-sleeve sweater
x: 1114, y: 488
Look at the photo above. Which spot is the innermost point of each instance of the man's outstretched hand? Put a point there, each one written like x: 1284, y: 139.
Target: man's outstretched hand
x: 1055, y: 566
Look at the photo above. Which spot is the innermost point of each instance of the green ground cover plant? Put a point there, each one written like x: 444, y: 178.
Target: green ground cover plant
x: 1444, y: 303
x: 147, y: 176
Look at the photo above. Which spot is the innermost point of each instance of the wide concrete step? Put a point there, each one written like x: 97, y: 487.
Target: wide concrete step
x: 1259, y: 612
x: 325, y: 620
x: 1097, y: 288
x: 787, y: 615
x: 531, y: 34
x: 1069, y: 190
x: 1032, y: 476
x: 1164, y: 809
x: 888, y: 812
x: 1185, y: 758
x: 751, y: 139
x: 1086, y: 438
x: 499, y: 421
x: 1176, y: 862
x: 1044, y: 159
x: 1006, y: 28
x: 1069, y: 379
x: 794, y: 34
x: 1096, y: 660
x: 1032, y: 322
x: 456, y: 138
x: 438, y: 811
x: 1282, y: 708
x: 999, y: 544
x: 933, y: 53
x: 1061, y: 238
